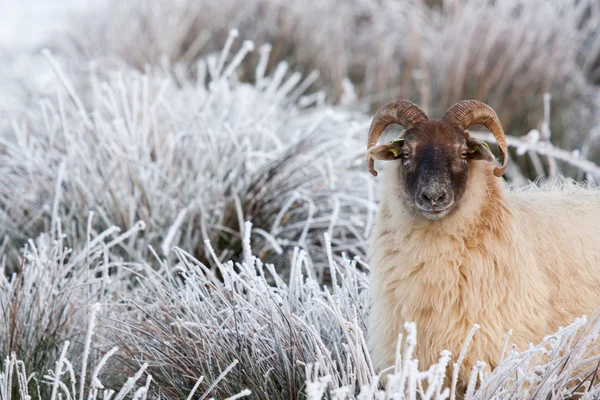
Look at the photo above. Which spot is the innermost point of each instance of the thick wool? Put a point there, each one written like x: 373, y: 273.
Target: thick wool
x: 526, y: 261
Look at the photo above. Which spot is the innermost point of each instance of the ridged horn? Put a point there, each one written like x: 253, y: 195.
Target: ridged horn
x: 470, y: 112
x: 399, y: 112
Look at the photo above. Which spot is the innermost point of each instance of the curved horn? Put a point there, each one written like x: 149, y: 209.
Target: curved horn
x: 399, y: 112
x: 470, y: 112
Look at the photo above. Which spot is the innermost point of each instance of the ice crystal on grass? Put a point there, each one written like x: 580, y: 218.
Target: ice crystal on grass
x: 186, y: 322
x: 101, y: 326
x: 46, y: 302
x: 190, y: 160
x: 506, y: 53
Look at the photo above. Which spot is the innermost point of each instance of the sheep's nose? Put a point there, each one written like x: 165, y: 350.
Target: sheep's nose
x: 433, y: 197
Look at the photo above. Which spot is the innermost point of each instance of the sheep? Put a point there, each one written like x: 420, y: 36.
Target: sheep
x: 454, y: 247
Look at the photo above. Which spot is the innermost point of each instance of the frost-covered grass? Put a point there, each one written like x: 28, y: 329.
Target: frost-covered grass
x: 128, y: 269
x: 506, y: 53
x: 180, y: 330
x: 280, y: 335
x: 191, y: 160
x: 45, y: 304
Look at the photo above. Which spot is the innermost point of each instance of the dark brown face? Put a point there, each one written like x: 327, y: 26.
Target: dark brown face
x: 434, y: 165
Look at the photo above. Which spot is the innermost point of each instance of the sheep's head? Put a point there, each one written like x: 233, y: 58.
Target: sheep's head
x: 435, y: 155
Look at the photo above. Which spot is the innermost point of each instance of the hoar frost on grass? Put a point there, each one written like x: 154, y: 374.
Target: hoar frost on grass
x: 506, y: 53
x: 284, y: 333
x: 180, y: 157
x: 191, y: 160
x: 45, y: 308
x: 179, y: 331
x: 44, y: 304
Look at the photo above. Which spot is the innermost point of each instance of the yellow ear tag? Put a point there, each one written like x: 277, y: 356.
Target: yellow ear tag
x: 395, y: 152
x: 476, y: 148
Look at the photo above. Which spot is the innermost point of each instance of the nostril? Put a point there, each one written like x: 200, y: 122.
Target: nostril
x: 433, y: 198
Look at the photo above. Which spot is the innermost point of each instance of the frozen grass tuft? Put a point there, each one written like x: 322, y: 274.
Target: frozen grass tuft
x: 300, y: 339
x: 45, y: 308
x: 180, y: 332
x: 45, y: 304
x: 190, y: 160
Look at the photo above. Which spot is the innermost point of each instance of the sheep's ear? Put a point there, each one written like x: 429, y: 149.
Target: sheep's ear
x: 479, y: 150
x: 388, y: 151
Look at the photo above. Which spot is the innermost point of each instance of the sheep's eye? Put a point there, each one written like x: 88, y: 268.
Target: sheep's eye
x: 464, y: 154
x: 405, y: 154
